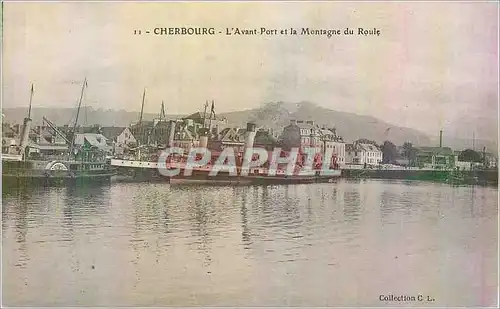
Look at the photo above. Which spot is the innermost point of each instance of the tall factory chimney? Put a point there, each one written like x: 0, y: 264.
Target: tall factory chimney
x: 440, y: 138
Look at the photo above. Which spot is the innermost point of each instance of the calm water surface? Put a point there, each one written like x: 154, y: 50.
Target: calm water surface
x: 342, y: 244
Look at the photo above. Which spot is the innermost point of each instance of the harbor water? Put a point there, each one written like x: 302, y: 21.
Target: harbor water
x: 349, y: 243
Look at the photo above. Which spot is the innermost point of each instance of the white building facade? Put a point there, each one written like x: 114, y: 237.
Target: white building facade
x: 125, y: 138
x: 363, y: 154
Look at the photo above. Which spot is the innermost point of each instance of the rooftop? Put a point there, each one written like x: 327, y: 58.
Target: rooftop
x: 436, y: 150
x: 111, y: 132
x: 199, y: 115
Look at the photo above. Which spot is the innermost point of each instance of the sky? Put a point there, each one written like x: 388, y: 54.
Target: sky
x: 433, y: 65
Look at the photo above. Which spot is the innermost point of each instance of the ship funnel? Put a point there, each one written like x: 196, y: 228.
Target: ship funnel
x: 25, y: 134
x: 250, y: 135
x: 203, y: 138
x: 171, y: 134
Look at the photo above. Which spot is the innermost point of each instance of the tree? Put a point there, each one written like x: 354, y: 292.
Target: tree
x: 469, y: 155
x: 409, y: 152
x: 389, y: 152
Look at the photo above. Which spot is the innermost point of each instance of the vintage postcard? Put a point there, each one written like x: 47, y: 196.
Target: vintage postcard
x: 249, y: 154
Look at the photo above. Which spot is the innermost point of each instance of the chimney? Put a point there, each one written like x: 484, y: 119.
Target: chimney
x: 203, y: 138
x: 40, y: 133
x: 25, y: 134
x: 171, y: 134
x: 250, y: 135
x: 440, y: 138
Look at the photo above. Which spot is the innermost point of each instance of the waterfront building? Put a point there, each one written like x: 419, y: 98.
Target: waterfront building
x: 203, y: 119
x: 92, y: 140
x: 330, y: 140
x: 142, y: 131
x: 363, y: 154
x: 120, y: 136
x: 303, y: 134
x: 234, y: 137
x: 436, y: 157
x: 10, y: 138
x: 490, y: 160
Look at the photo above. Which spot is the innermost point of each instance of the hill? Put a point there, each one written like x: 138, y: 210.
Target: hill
x: 273, y: 115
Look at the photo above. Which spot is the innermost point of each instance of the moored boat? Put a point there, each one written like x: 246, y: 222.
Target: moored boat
x: 27, y: 163
x: 145, y: 167
x: 149, y: 171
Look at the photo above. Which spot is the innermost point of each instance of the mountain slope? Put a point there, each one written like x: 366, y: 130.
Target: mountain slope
x: 350, y: 126
x: 273, y: 115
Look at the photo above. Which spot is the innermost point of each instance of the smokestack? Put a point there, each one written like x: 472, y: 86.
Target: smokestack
x: 25, y: 134
x: 40, y: 134
x: 250, y: 135
x: 203, y: 138
x: 440, y: 138
x: 171, y: 134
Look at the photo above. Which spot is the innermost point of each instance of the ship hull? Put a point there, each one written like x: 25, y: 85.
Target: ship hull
x: 53, y: 173
x: 136, y: 171
x: 38, y: 180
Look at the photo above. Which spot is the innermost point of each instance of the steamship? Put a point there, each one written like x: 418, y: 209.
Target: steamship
x: 24, y: 162
x: 148, y: 170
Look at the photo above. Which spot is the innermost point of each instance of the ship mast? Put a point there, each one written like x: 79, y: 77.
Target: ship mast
x: 212, y: 112
x: 31, y: 99
x: 205, y: 114
x: 162, y: 112
x: 77, y: 114
x: 140, y: 128
x: 24, y: 140
x: 142, y: 106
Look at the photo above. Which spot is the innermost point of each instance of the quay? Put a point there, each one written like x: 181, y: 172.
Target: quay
x: 484, y: 177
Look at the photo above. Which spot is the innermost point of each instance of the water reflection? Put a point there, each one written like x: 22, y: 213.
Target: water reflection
x: 245, y: 230
x: 201, y: 217
x: 352, y: 203
x: 340, y: 244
